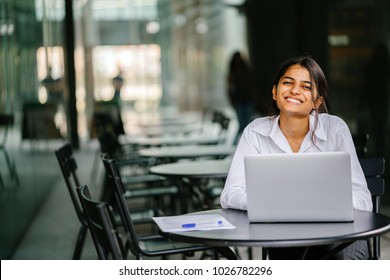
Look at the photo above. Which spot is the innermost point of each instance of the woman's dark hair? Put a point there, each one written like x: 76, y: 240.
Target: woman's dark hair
x: 237, y: 61
x: 316, y: 75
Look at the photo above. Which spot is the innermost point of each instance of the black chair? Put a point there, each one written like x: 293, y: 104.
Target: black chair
x: 68, y: 167
x: 140, y: 246
x: 101, y: 222
x: 374, y: 169
x: 361, y: 142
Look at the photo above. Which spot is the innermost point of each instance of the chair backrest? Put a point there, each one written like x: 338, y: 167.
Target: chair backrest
x: 118, y: 189
x: 101, y: 223
x: 68, y: 167
x: 374, y: 169
x: 361, y: 142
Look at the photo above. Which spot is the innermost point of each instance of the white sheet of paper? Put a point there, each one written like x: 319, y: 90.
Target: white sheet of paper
x: 192, y: 222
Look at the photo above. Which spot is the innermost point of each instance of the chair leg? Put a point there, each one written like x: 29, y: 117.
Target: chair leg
x: 11, y: 167
x: 80, y: 242
x: 376, y: 248
x: 227, y: 253
x: 250, y: 253
x: 1, y: 181
x: 264, y: 254
x: 215, y: 255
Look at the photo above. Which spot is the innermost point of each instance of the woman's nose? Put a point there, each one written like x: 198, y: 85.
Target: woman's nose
x: 295, y: 89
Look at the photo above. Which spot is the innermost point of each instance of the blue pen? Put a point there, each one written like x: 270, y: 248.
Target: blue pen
x: 192, y: 225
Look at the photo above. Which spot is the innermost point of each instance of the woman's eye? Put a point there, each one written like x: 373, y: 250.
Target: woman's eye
x: 307, y: 87
x: 287, y: 83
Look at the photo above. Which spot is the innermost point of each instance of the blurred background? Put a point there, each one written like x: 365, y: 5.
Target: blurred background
x: 60, y: 58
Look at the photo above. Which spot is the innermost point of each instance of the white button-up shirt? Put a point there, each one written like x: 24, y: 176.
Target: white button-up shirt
x: 263, y: 136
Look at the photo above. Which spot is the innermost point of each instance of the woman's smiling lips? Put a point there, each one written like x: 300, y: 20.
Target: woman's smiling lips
x: 293, y: 100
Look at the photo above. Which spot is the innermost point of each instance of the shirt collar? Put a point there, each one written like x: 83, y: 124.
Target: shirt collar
x: 272, y: 130
x: 319, y: 132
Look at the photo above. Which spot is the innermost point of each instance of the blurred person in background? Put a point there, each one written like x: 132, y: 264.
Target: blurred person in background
x: 240, y: 89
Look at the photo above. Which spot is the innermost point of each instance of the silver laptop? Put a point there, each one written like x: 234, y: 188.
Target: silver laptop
x: 299, y: 187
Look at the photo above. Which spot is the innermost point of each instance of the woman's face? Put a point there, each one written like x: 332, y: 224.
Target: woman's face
x: 293, y: 93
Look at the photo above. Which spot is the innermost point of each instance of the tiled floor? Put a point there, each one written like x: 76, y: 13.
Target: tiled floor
x: 53, y: 233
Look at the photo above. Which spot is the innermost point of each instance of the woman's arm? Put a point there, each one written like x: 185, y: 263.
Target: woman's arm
x: 234, y: 192
x: 360, y: 193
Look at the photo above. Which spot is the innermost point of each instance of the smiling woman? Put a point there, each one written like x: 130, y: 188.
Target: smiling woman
x: 300, y: 89
x: 299, y: 124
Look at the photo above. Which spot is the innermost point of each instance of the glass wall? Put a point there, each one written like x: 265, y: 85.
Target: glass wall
x: 31, y: 110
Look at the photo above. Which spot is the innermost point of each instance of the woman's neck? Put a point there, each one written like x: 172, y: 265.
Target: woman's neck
x: 294, y: 128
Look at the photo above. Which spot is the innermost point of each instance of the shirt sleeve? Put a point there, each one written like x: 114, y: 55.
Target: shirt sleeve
x: 361, y: 196
x: 234, y: 192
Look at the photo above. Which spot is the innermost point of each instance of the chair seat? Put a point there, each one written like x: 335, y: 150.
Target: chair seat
x: 158, y: 245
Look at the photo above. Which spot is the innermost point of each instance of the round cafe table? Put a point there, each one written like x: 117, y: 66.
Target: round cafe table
x: 194, y: 169
x: 270, y: 235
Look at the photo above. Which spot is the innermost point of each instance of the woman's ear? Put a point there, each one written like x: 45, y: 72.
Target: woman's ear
x: 318, y: 102
x: 274, y: 92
